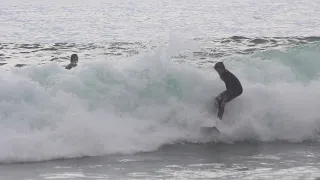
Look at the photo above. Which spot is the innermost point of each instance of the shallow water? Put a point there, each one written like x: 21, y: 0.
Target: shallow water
x: 184, y: 161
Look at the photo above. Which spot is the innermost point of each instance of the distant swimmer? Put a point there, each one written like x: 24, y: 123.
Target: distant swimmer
x: 233, y: 85
x: 73, y: 61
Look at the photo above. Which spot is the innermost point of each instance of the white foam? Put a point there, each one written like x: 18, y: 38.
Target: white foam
x: 127, y: 107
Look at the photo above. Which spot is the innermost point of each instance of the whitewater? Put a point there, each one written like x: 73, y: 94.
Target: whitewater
x: 141, y: 104
x: 136, y: 104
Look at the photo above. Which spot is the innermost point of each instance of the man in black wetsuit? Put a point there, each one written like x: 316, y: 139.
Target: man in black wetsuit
x: 73, y: 61
x: 233, y: 86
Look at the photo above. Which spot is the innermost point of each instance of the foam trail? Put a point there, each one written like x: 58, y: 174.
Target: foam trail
x: 128, y: 107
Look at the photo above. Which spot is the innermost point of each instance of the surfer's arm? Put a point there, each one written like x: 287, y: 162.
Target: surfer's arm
x: 68, y: 66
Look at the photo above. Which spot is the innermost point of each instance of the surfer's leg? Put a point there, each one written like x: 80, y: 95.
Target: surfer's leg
x: 230, y: 96
x: 219, y: 99
x: 223, y: 99
x: 220, y: 112
x: 226, y: 98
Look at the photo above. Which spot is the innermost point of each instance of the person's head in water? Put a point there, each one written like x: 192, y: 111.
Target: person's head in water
x: 219, y: 67
x: 73, y: 61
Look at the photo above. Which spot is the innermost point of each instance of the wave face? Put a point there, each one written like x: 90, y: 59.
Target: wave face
x: 139, y: 105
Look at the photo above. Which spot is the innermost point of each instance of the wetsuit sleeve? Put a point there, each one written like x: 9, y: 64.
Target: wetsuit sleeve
x: 68, y: 66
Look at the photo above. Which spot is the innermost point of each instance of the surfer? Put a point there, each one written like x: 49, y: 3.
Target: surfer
x: 233, y: 86
x: 73, y: 61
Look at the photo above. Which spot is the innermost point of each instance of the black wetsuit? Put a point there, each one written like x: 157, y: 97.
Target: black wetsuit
x: 71, y: 65
x: 234, y: 89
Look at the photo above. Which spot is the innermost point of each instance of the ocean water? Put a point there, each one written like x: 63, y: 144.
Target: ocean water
x: 135, y: 105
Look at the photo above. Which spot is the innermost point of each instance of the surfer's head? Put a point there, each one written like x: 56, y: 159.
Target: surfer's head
x: 74, y: 58
x: 219, y: 67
